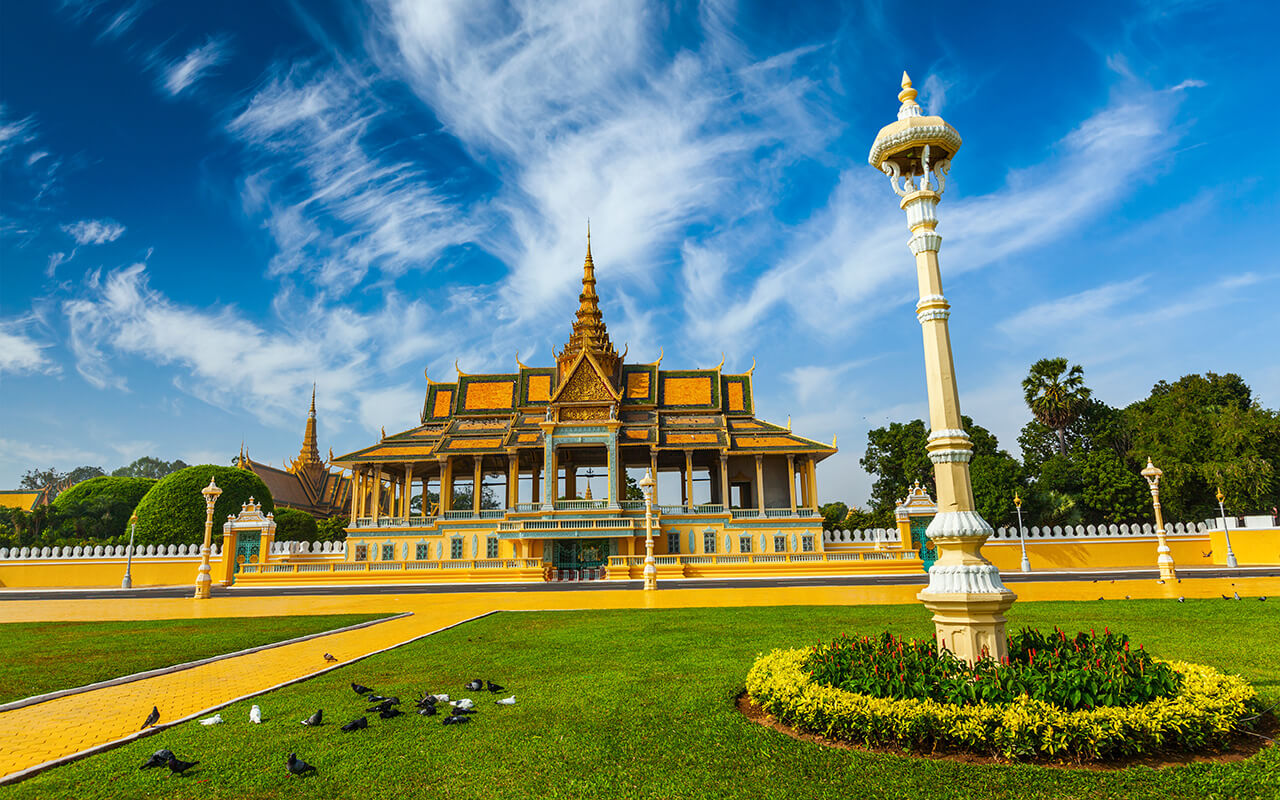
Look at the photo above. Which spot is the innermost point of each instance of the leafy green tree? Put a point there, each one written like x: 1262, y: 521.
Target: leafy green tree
x: 996, y: 477
x: 1099, y: 426
x: 173, y: 510
x: 36, y: 479
x: 99, y: 509
x: 897, y: 457
x: 149, y: 467
x: 834, y: 516
x: 332, y: 529
x: 293, y: 525
x: 1055, y: 393
x: 1111, y: 491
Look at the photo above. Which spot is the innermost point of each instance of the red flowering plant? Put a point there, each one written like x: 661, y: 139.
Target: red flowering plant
x: 1071, y: 672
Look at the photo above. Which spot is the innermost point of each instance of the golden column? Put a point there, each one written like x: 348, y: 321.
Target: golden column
x: 1164, y: 556
x: 203, y: 577
x: 965, y: 593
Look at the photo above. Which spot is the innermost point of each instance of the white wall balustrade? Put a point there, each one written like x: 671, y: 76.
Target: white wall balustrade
x: 1010, y: 533
x: 104, y: 552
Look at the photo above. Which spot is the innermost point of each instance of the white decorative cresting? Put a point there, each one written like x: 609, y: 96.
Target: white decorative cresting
x: 951, y: 455
x: 948, y: 433
x: 969, y: 578
x: 942, y: 133
x: 932, y: 314
x: 925, y: 240
x: 958, y: 525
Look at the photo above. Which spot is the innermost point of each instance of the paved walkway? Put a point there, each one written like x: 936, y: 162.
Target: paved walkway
x: 47, y: 732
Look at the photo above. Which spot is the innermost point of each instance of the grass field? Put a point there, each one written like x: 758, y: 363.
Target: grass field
x: 40, y: 657
x: 616, y: 704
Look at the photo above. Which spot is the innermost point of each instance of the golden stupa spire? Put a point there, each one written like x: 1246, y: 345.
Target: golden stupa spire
x: 910, y: 108
x: 310, y: 452
x: 589, y: 331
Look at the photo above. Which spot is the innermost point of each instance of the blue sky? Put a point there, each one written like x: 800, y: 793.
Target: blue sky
x: 205, y: 207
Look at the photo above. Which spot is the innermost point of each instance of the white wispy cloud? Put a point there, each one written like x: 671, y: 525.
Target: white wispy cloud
x: 1090, y: 304
x: 181, y: 74
x: 94, y: 231
x: 20, y: 352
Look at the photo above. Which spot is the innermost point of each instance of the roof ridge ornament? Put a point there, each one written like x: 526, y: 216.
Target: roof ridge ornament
x: 910, y: 108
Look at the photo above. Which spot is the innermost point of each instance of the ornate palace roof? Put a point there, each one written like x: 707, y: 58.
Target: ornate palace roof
x: 307, y: 484
x: 696, y: 409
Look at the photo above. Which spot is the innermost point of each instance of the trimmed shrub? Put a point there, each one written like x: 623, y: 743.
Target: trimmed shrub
x: 1206, y: 710
x: 293, y: 525
x: 172, y: 512
x: 97, y: 509
x: 332, y: 529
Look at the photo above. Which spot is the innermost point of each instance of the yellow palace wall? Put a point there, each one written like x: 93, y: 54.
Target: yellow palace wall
x: 42, y: 573
x: 1188, y: 551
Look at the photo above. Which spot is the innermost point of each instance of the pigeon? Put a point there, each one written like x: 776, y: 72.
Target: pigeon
x: 356, y: 724
x: 1160, y: 582
x: 461, y: 711
x: 428, y: 700
x: 152, y: 718
x: 507, y: 701
x: 495, y: 688
x: 441, y: 698
x: 358, y: 689
x: 1224, y: 597
x: 383, y: 706
x: 1236, y: 595
x: 329, y: 657
x: 177, y: 767
x: 255, y: 714
x: 1208, y: 554
x: 427, y: 711
x: 388, y: 713
x: 464, y: 704
x: 158, y: 759
x: 1182, y: 600
x: 456, y: 720
x: 475, y: 685
x: 299, y: 767
x: 1262, y: 599
x: 377, y: 698
x: 214, y: 720
x: 314, y: 719
x: 1127, y: 597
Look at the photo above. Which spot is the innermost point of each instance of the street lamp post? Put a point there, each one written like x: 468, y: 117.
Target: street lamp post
x: 203, y: 578
x: 127, y: 583
x: 1231, y: 555
x: 1017, y: 503
x: 965, y: 593
x: 1164, y: 557
x: 650, y: 567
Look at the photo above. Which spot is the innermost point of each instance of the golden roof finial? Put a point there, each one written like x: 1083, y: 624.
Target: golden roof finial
x: 788, y: 423
x: 384, y: 431
x: 313, y: 398
x: 589, y: 332
x: 588, y: 240
x: 910, y: 108
x: 588, y: 496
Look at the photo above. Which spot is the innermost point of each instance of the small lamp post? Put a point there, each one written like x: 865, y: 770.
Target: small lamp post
x: 1164, y: 557
x: 650, y: 567
x: 1017, y: 503
x: 127, y: 583
x: 203, y: 578
x: 1231, y: 556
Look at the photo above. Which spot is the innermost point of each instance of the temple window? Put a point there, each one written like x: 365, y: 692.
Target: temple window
x: 455, y: 548
x: 362, y: 552
x: 744, y: 544
x: 779, y: 543
x: 491, y: 547
x: 388, y: 552
x: 806, y: 543
x: 709, y: 542
x: 420, y: 552
x: 673, y: 543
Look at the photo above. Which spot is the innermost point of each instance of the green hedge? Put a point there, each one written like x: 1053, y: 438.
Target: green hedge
x: 1203, y: 715
x: 293, y: 525
x: 98, y: 509
x: 172, y: 512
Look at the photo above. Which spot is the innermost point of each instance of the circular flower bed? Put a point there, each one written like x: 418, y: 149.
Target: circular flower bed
x: 1024, y: 713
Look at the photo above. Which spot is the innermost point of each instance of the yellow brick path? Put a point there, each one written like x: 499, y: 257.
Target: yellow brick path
x: 62, y: 727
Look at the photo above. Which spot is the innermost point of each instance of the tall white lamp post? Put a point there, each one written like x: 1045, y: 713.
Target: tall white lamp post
x: 1164, y: 557
x: 1231, y: 555
x: 1022, y: 534
x: 965, y: 593
x: 203, y: 578
x: 650, y: 567
x: 127, y: 583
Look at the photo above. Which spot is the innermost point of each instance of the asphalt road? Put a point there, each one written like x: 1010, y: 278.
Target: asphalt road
x: 733, y: 583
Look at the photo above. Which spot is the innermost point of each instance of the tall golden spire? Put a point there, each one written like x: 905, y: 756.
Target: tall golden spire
x: 589, y: 331
x: 310, y: 452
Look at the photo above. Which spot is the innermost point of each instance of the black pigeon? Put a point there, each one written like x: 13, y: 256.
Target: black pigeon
x: 456, y: 719
x: 1224, y: 597
x: 299, y: 767
x: 179, y: 767
x: 358, y: 689
x: 427, y: 711
x: 315, y: 718
x: 1262, y: 599
x: 329, y: 657
x: 377, y: 698
x: 475, y: 685
x: 493, y: 687
x: 356, y: 724
x: 152, y: 718
x: 423, y: 702
x: 388, y: 713
x: 460, y: 711
x: 158, y: 759
x: 383, y: 706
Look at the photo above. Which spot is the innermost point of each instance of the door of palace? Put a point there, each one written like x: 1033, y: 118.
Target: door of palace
x: 587, y: 556
x: 247, y: 545
x: 920, y: 541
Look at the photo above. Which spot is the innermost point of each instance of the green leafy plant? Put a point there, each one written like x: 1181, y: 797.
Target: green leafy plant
x: 173, y: 511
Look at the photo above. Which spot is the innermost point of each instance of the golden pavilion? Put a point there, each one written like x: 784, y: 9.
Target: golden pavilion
x: 501, y: 465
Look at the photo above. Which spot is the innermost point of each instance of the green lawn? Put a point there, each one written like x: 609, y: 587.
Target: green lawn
x: 641, y: 704
x: 40, y: 657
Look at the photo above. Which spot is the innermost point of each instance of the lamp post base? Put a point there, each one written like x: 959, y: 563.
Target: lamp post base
x: 1026, y: 564
x: 970, y: 624
x: 126, y: 583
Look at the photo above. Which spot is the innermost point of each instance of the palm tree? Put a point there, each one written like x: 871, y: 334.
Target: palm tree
x: 1055, y: 393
